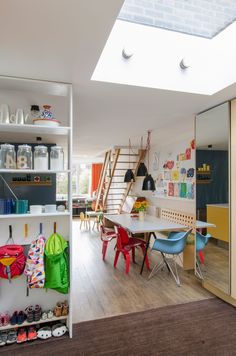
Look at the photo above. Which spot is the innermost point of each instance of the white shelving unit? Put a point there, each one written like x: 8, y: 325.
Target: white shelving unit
x: 21, y: 93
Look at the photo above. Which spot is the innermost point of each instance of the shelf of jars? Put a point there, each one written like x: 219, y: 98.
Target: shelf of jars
x: 30, y: 159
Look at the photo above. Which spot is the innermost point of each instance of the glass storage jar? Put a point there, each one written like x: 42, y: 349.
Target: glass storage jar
x: 24, y: 157
x: 40, y: 157
x: 56, y: 158
x: 8, y: 156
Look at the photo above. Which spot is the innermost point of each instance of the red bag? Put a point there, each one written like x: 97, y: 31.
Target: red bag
x: 12, y: 261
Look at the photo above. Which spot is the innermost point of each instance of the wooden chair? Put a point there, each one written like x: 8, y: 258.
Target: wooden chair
x: 84, y: 220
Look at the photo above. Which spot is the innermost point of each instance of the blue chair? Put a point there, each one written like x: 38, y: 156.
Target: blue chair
x: 172, y: 246
x: 201, y: 242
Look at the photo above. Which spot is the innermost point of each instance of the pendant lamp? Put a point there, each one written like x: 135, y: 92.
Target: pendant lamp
x: 129, y: 175
x: 142, y: 169
x: 148, y: 182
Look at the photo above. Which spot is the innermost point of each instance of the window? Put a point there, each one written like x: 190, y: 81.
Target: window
x: 81, y: 181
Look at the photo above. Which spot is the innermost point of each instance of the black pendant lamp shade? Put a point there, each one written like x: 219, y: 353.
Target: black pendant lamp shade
x: 148, y: 183
x: 142, y: 170
x: 129, y: 176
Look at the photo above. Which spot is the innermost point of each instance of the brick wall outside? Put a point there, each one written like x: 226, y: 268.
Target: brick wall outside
x: 198, y: 17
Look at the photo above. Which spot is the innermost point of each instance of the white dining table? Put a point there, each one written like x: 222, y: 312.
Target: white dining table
x: 203, y: 225
x: 150, y: 225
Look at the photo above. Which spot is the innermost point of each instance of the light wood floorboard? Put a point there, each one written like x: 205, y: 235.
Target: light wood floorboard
x: 100, y: 291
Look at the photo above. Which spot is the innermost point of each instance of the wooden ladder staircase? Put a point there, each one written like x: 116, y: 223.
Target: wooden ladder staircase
x: 112, y: 190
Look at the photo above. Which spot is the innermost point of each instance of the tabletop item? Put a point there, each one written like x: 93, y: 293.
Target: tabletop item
x: 21, y: 206
x: 46, y: 118
x: 36, y: 209
x: 50, y: 208
x: 46, y: 113
x: 20, y: 117
x: 7, y: 156
x: 34, y: 112
x: 40, y: 158
x: 24, y: 157
x: 2, y: 203
x: 61, y: 208
x: 4, y: 114
x: 57, y: 158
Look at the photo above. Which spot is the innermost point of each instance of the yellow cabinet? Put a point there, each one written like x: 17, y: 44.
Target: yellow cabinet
x: 218, y: 214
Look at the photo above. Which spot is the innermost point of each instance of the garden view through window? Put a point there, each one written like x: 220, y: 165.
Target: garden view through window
x: 81, y: 181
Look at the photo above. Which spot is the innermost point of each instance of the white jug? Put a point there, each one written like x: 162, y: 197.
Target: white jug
x: 4, y: 114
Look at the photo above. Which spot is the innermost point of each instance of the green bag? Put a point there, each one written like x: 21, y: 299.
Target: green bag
x: 57, y: 264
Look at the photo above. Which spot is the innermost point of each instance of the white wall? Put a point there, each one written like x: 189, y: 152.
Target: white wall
x: 166, y: 151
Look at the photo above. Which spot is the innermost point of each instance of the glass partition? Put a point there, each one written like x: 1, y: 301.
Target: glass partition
x: 212, y: 196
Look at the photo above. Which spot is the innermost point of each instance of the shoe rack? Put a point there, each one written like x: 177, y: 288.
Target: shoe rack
x: 21, y: 93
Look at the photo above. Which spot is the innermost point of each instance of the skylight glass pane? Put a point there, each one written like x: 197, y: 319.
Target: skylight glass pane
x: 196, y: 17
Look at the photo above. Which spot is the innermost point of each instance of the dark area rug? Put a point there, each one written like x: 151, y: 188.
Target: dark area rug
x: 206, y: 327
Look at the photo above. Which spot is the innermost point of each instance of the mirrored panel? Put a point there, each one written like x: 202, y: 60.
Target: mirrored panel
x: 212, y: 196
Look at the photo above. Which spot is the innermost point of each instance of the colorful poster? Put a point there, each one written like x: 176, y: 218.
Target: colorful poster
x: 176, y: 189
x: 171, y: 189
x: 175, y: 175
x: 190, y: 190
x: 188, y: 153
x: 183, y: 190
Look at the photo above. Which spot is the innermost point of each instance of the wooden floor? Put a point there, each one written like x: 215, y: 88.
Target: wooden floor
x: 100, y: 291
x: 216, y: 269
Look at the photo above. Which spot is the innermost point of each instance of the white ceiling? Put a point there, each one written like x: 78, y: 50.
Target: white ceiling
x: 62, y: 40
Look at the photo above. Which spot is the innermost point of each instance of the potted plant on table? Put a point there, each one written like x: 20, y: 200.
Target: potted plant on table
x: 141, y: 207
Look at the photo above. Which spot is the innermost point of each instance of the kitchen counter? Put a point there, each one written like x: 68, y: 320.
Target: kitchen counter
x: 226, y: 205
x: 218, y: 214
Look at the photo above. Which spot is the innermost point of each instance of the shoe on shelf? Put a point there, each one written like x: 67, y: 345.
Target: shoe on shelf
x: 32, y: 333
x: 11, y: 337
x: 5, y: 319
x: 50, y: 314
x: 14, y: 318
x: 65, y: 308
x: 21, y: 317
x: 58, y: 310
x: 37, y: 312
x: 59, y: 330
x: 44, y: 316
x: 30, y: 313
x: 21, y: 336
x: 44, y: 333
x: 3, y: 338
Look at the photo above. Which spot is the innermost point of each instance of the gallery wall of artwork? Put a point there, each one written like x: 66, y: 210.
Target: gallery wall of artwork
x: 173, y: 169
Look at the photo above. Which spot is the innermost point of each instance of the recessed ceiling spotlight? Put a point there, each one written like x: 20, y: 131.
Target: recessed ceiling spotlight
x: 184, y: 63
x: 127, y: 53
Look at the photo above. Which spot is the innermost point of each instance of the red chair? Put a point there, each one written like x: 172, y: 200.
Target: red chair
x: 106, y: 236
x: 125, y: 244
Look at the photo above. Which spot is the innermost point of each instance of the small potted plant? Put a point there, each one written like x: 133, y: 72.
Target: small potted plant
x: 141, y: 208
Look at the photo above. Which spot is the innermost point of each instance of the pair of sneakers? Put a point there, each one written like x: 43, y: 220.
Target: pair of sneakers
x: 8, y: 337
x: 26, y: 334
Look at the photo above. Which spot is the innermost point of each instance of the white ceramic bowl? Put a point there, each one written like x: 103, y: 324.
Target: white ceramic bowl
x: 36, y: 209
x: 46, y: 122
x: 50, y: 208
x: 61, y: 208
